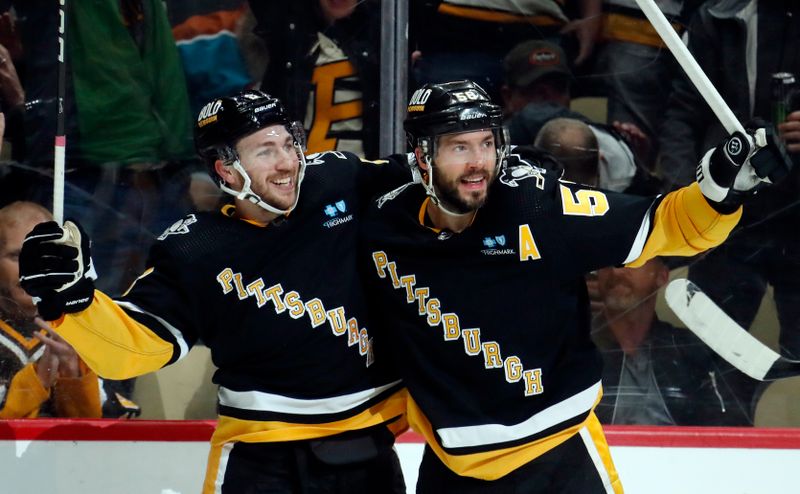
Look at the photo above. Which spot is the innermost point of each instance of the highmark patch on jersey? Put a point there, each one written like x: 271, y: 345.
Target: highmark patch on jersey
x: 338, y: 214
x: 291, y: 303
x: 430, y: 308
x: 496, y: 246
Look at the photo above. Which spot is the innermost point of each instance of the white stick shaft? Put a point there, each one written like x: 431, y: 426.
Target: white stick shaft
x: 58, y: 180
x: 61, y: 139
x: 690, y: 66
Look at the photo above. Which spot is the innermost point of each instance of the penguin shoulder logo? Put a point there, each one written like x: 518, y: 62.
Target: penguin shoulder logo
x: 180, y: 227
x: 512, y: 174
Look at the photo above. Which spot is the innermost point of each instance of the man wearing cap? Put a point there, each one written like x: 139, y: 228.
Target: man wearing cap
x: 537, y: 90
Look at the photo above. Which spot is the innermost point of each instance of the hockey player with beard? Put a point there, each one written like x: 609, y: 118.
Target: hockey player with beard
x: 270, y: 285
x: 481, y: 267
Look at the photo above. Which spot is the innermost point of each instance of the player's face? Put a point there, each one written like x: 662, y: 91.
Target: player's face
x: 14, y: 300
x: 269, y: 157
x: 464, y: 167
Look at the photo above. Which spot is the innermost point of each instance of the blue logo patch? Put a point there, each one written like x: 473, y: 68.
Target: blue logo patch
x: 337, y: 212
x: 496, y: 246
x: 333, y: 210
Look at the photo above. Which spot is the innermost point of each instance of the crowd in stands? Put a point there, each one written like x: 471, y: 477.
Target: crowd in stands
x: 139, y: 71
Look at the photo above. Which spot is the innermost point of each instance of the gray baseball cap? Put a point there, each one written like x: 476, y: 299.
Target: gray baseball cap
x: 530, y: 60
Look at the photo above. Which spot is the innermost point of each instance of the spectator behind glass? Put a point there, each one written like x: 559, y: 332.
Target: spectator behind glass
x: 729, y: 39
x: 654, y: 373
x: 41, y: 375
x: 205, y: 32
x: 536, y: 90
x: 634, y: 65
x: 127, y: 121
x: 467, y: 39
x: 323, y: 64
x: 574, y: 144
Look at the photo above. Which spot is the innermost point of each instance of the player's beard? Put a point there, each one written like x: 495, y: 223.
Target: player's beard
x: 447, y: 192
x: 272, y: 195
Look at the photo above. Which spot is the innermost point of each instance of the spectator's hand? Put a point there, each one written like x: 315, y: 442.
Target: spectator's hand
x: 68, y: 360
x: 790, y: 132
x: 47, y: 368
x: 10, y: 87
x: 55, y: 268
x: 636, y: 138
x: 586, y: 31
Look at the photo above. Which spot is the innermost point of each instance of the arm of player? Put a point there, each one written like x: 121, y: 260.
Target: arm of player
x: 381, y: 176
x: 685, y: 224
x: 700, y: 216
x: 112, y: 343
x: 117, y: 340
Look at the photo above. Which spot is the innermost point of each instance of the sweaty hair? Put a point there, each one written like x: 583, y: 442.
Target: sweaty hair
x: 574, y: 144
x: 21, y: 212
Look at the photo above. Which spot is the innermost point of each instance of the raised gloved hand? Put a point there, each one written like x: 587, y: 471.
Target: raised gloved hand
x: 740, y: 166
x: 56, y: 269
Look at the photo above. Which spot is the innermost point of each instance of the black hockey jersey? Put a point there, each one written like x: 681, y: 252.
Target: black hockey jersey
x: 280, y: 306
x: 490, y: 326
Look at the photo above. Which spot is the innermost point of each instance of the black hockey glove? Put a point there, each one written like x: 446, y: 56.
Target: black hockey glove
x: 55, y: 268
x: 740, y: 166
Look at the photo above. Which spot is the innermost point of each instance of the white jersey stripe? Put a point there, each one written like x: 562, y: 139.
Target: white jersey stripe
x: 482, y: 435
x: 222, y: 466
x: 182, y: 345
x: 268, y: 402
x: 591, y: 448
x: 641, y: 238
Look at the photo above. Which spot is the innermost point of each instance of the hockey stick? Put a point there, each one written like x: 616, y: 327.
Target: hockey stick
x: 61, y: 138
x: 691, y: 67
x: 723, y: 335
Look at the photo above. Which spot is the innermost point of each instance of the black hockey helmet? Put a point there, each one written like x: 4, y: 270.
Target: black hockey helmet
x: 449, y: 108
x: 224, y: 121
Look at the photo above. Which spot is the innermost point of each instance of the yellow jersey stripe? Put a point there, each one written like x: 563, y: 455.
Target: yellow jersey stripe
x: 501, y: 17
x: 490, y: 465
x: 230, y: 429
x: 685, y: 225
x: 597, y: 446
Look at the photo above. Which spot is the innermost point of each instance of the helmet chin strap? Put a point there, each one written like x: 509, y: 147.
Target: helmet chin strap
x: 431, y: 190
x: 247, y: 193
